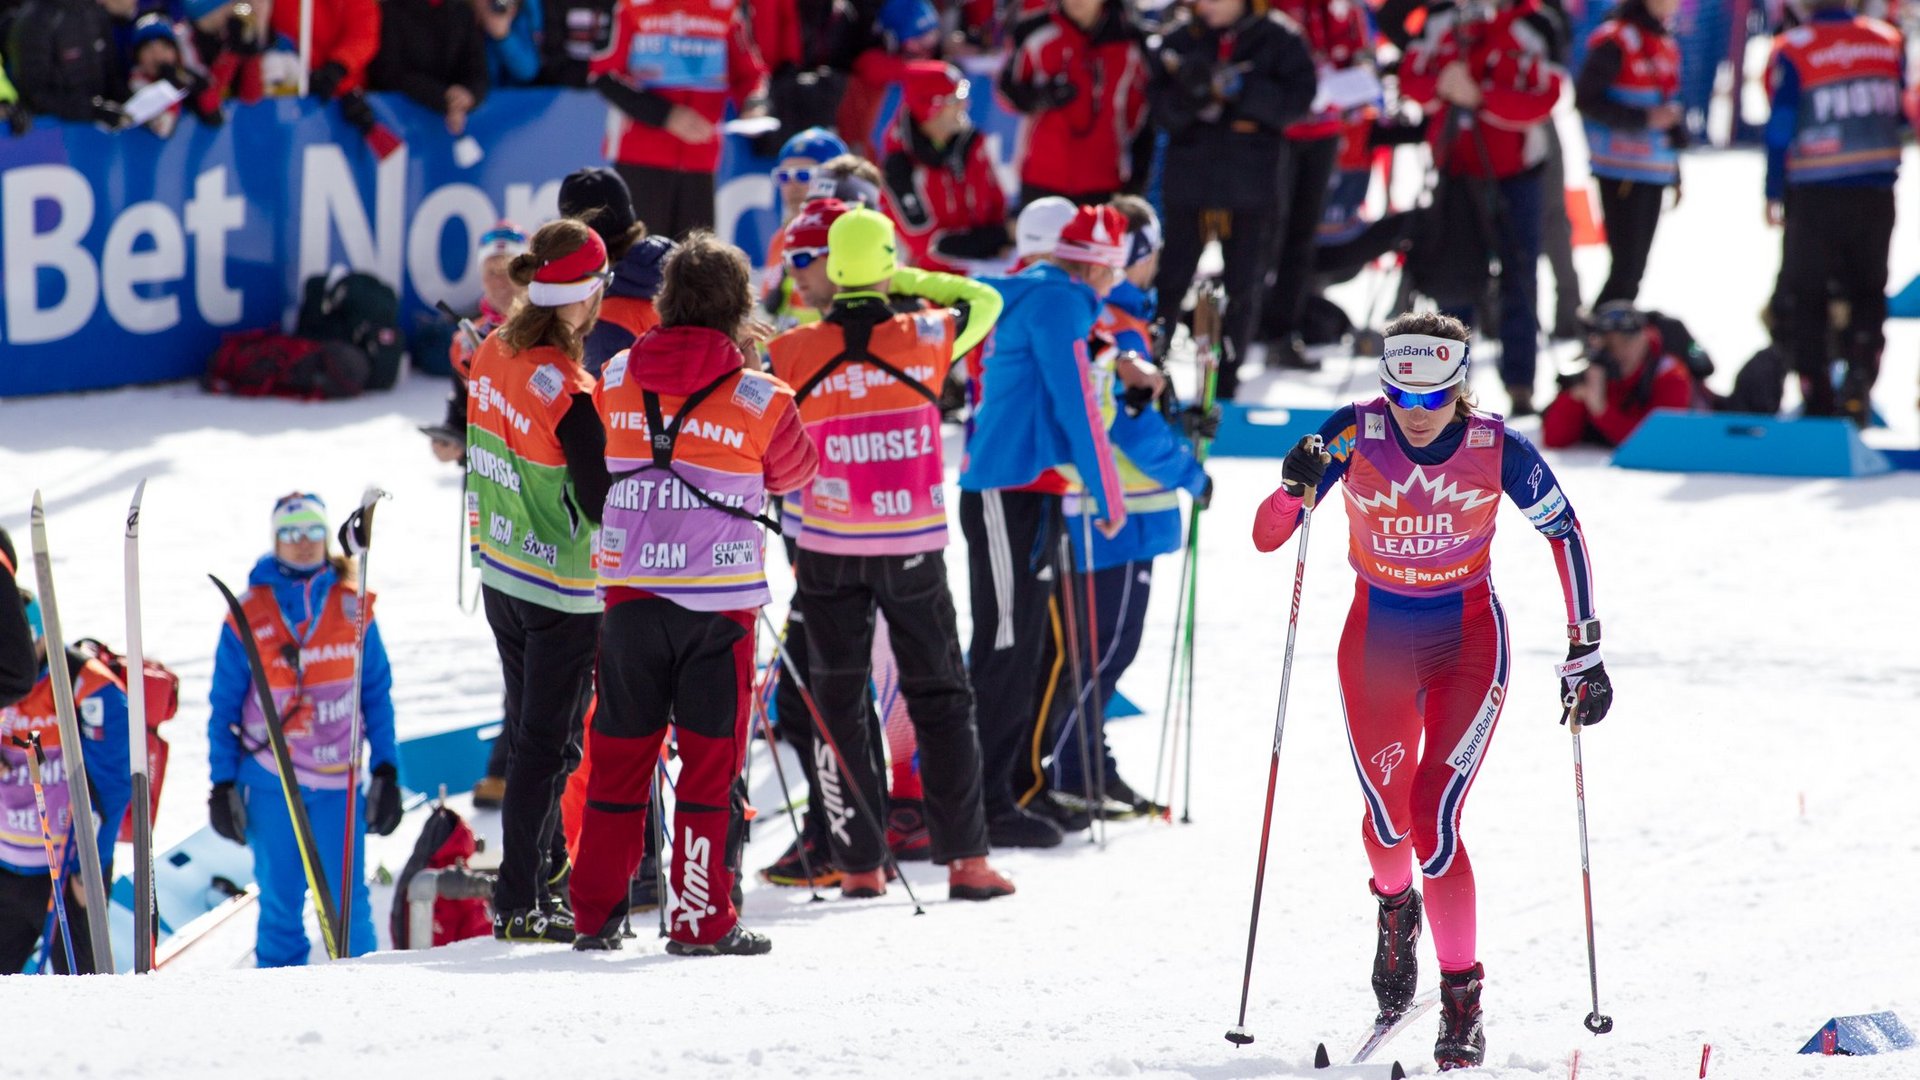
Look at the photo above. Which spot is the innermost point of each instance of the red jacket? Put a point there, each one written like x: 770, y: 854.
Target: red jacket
x: 1338, y: 33
x: 1509, y: 60
x: 345, y: 32
x: 931, y: 193
x: 1568, y: 422
x: 695, y: 53
x: 1084, y: 146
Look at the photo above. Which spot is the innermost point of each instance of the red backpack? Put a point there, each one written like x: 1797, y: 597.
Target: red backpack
x: 267, y: 363
x: 162, y: 688
x: 446, y: 840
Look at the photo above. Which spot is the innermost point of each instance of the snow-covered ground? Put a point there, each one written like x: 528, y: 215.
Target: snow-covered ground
x: 1754, y: 857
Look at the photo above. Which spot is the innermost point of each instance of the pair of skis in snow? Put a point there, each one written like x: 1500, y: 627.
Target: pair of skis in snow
x: 1360, y: 1063
x: 334, y: 914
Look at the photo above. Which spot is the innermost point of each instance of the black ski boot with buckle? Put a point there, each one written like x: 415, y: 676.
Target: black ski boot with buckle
x: 1462, y: 1044
x: 1395, y: 964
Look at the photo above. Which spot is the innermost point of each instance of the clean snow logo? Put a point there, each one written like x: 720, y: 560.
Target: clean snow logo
x: 696, y: 889
x: 827, y: 771
x: 1387, y: 760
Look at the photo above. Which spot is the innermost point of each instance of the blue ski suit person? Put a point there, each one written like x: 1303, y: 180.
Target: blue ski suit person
x: 303, y: 618
x: 26, y: 886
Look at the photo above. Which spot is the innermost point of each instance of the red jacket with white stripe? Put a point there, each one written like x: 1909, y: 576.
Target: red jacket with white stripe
x: 1085, y: 145
x: 695, y: 53
x: 1338, y: 34
x: 1508, y: 59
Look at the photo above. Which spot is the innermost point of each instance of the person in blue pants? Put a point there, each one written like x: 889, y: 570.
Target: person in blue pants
x: 303, y: 606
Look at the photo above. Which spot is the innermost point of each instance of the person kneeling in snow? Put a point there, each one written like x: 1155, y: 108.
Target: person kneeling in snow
x: 1629, y: 375
x: 303, y: 605
x: 681, y: 569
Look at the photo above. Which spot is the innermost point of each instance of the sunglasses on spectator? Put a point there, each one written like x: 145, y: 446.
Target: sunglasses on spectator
x: 793, y: 176
x: 1430, y: 400
x: 801, y: 258
x: 294, y: 534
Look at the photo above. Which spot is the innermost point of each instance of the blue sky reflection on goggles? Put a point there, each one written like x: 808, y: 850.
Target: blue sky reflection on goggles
x: 793, y: 176
x: 801, y: 258
x: 293, y: 534
x: 1430, y: 400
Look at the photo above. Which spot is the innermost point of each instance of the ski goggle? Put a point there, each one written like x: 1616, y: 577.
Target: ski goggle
x: 1619, y: 319
x: 801, y: 258
x: 1430, y: 400
x: 294, y: 534
x: 793, y: 176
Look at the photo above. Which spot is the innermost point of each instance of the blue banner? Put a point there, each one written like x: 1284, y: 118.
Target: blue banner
x: 126, y: 256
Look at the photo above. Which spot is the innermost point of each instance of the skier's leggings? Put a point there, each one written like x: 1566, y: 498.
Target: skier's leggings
x: 1430, y: 670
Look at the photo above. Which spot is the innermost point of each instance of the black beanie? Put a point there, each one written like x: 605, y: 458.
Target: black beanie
x: 600, y: 198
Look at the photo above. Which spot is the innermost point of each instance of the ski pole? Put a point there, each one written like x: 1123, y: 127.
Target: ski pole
x: 1193, y: 606
x: 1238, y: 1034
x: 786, y: 793
x: 1097, y: 726
x: 1173, y: 674
x: 661, y: 784
x: 833, y: 745
x: 1596, y: 1022
x: 36, y: 761
x: 1065, y: 574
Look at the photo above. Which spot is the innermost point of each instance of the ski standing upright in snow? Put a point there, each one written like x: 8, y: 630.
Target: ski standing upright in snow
x: 323, y: 899
x: 85, y: 829
x: 356, y: 539
x: 137, y: 749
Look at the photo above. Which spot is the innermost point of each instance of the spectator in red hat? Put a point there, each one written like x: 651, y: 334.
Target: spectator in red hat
x: 941, y: 190
x: 1078, y: 72
x: 669, y: 72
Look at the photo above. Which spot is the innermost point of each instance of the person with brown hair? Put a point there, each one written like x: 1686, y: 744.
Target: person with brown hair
x: 537, y: 479
x: 1424, y: 659
x: 682, y: 571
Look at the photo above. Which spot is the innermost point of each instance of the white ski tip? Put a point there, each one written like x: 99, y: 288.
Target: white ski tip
x: 1372, y: 1070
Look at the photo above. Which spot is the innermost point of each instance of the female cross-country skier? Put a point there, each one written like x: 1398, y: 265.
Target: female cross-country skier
x: 1424, y: 657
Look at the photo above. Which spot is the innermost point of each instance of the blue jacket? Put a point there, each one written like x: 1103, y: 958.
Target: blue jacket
x: 514, y: 60
x: 1036, y: 411
x: 301, y: 597
x: 1155, y: 462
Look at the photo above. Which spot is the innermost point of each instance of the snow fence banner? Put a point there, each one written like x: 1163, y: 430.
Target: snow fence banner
x: 126, y: 256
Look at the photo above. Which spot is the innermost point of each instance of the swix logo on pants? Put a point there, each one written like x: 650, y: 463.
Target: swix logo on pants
x: 827, y: 772
x: 696, y: 888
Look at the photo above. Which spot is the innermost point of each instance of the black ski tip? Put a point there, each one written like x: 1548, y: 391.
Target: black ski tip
x: 1320, y: 1058
x: 1398, y: 1073
x: 1239, y: 1036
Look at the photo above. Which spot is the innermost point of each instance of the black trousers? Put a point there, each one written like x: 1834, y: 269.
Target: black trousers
x: 1835, y: 247
x: 1029, y: 193
x: 547, y: 659
x: 1011, y: 537
x: 1304, y: 176
x: 672, y: 202
x: 838, y: 596
x: 24, y: 900
x: 1632, y: 213
x: 794, y: 723
x: 1246, y: 241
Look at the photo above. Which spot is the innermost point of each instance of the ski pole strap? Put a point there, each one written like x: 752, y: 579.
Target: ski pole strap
x: 856, y: 333
x: 664, y: 437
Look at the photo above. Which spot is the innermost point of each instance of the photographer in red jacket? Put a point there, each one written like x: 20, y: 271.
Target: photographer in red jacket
x: 1629, y: 374
x: 1078, y: 73
x: 670, y: 70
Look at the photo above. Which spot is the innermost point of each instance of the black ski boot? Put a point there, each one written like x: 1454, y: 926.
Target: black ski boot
x: 1395, y: 962
x: 738, y: 941
x: 1462, y: 1044
x: 609, y: 939
x: 531, y: 926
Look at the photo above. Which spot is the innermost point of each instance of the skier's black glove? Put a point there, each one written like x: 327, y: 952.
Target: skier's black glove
x: 1198, y: 422
x: 1585, y: 689
x: 1306, y: 463
x: 227, y: 812
x: 1205, y: 498
x: 325, y: 80
x: 383, y: 801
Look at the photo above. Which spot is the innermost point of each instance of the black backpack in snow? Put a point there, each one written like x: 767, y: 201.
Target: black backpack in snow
x: 359, y: 310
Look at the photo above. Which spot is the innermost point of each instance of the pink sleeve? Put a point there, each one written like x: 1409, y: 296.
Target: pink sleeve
x: 1274, y: 522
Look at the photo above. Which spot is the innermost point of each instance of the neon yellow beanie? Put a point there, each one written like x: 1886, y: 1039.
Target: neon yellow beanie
x: 860, y: 248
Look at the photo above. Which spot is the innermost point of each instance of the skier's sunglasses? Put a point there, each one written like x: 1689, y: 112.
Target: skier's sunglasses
x: 294, y: 534
x: 1430, y: 400
x: 801, y: 258
x: 793, y: 176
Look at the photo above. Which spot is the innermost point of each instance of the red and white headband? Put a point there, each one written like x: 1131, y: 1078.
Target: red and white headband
x: 570, y: 278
